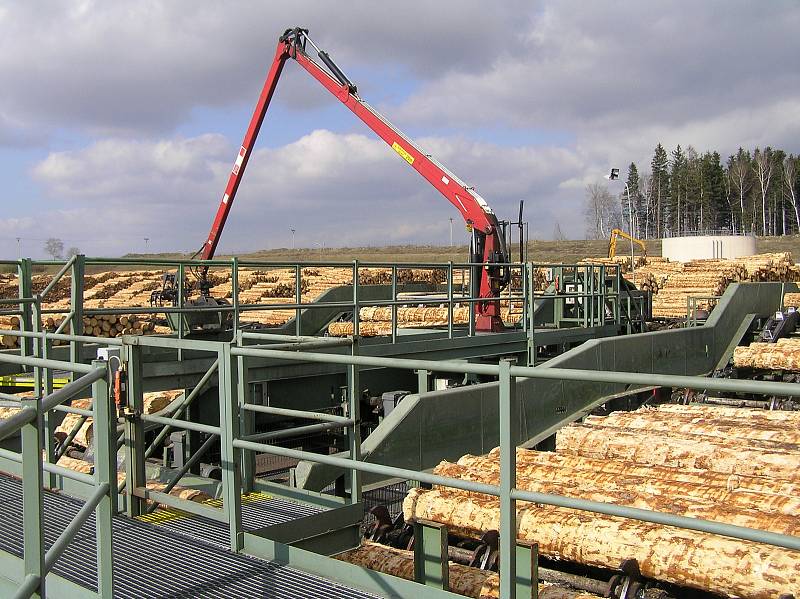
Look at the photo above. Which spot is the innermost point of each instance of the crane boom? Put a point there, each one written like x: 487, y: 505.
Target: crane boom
x: 488, y: 249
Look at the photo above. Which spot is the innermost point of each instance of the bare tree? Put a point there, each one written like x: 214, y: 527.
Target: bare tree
x: 739, y: 174
x: 646, y: 189
x: 602, y: 211
x: 558, y: 234
x: 789, y: 178
x: 72, y: 251
x: 763, y: 169
x: 54, y: 247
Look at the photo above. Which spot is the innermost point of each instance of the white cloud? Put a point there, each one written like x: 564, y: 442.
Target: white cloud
x: 338, y: 189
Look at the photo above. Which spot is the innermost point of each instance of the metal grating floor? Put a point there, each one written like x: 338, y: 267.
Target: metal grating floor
x: 258, y: 510
x: 156, y: 561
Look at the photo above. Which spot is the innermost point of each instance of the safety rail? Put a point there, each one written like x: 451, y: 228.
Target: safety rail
x: 240, y: 447
x: 30, y: 422
x: 592, y: 287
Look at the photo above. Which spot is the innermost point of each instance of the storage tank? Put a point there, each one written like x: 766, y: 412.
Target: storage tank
x: 708, y: 246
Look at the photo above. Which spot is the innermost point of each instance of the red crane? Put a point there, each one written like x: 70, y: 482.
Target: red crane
x: 488, y: 250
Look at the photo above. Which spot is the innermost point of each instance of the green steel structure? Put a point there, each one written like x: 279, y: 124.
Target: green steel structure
x: 512, y: 402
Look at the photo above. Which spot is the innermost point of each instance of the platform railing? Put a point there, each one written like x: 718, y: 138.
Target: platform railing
x: 100, y: 487
x: 596, y: 287
x: 233, y: 376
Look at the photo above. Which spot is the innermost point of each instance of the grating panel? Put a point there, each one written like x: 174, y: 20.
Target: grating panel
x: 153, y: 561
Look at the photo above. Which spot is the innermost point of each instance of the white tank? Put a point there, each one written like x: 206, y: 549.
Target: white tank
x: 700, y: 247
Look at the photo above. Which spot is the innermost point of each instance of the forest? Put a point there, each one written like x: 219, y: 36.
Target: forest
x: 687, y: 193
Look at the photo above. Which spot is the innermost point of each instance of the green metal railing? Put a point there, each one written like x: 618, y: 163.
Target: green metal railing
x: 584, y: 295
x: 235, y: 441
x: 30, y: 422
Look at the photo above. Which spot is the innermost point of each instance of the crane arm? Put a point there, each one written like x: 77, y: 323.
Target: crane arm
x: 488, y: 243
x: 612, y: 242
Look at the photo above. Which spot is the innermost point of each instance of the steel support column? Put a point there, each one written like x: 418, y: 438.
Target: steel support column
x: 354, y: 431
x: 105, y: 473
x: 32, y: 516
x: 231, y: 456
x: 509, y: 427
x: 134, y: 433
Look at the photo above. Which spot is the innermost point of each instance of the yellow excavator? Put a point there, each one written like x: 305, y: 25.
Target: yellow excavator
x: 612, y: 242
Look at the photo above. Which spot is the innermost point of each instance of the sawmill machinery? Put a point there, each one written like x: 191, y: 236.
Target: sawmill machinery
x: 488, y: 250
x: 612, y: 242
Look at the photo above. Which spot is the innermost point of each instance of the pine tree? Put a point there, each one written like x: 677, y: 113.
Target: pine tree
x: 631, y: 194
x: 659, y: 182
x: 677, y: 191
x: 716, y: 202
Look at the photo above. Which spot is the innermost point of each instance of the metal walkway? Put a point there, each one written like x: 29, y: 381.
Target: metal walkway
x: 155, y: 561
x: 258, y: 510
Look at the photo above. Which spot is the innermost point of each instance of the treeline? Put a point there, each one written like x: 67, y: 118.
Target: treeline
x: 687, y: 193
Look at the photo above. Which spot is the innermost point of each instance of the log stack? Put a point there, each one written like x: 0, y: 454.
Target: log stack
x: 791, y: 300
x: 464, y: 580
x: 9, y: 323
x: 153, y: 402
x: 707, y: 462
x: 673, y: 282
x: 781, y: 355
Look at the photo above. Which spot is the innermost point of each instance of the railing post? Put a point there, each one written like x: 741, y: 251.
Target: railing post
x: 527, y: 557
x: 509, y: 429
x: 450, y: 299
x: 235, y: 293
x: 32, y: 508
x: 180, y: 276
x: 247, y: 423
x: 105, y: 471
x: 354, y: 412
x: 76, y: 301
x: 48, y: 418
x: 530, y: 304
x: 356, y: 315
x: 134, y: 433
x: 423, y: 381
x: 431, y: 565
x: 231, y: 456
x: 298, y: 298
x: 394, y: 304
x: 24, y: 276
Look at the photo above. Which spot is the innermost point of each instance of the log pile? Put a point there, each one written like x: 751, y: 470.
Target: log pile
x: 791, y: 300
x: 781, y: 355
x: 721, y: 464
x: 673, y: 282
x: 464, y: 580
x: 154, y: 401
x: 376, y: 321
x: 9, y: 323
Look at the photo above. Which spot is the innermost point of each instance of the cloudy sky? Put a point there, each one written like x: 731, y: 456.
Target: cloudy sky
x: 120, y: 120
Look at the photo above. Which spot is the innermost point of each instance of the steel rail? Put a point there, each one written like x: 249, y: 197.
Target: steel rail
x: 717, y: 528
x: 298, y: 431
x: 62, y: 542
x: 308, y: 415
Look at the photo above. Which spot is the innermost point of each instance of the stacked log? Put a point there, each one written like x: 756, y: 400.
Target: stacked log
x: 715, y: 463
x: 673, y: 282
x: 9, y: 323
x: 464, y: 580
x: 378, y: 321
x: 791, y: 300
x: 782, y: 355
x: 154, y: 401
x: 687, y: 558
x: 111, y: 325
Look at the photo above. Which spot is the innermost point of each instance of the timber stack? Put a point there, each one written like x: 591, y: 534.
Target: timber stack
x: 719, y: 464
x: 464, y: 580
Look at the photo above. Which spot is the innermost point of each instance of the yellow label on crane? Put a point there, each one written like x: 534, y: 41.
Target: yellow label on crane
x: 400, y: 150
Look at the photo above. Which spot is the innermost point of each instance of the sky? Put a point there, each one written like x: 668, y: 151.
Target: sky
x: 120, y: 121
